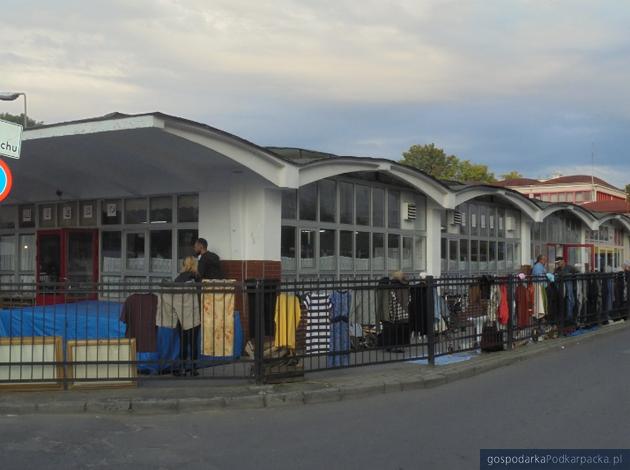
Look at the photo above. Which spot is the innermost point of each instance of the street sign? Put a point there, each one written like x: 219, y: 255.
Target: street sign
x: 6, y: 180
x: 10, y: 139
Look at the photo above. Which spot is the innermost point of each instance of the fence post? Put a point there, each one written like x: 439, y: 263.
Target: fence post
x: 510, y: 326
x: 259, y: 333
x: 430, y: 309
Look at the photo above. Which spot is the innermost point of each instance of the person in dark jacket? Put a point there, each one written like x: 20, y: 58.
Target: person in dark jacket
x: 209, y: 264
x: 189, y: 271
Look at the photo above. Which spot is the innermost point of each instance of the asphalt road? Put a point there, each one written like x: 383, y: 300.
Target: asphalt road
x: 572, y: 398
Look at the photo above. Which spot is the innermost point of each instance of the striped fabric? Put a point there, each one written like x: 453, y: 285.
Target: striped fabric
x: 319, y: 308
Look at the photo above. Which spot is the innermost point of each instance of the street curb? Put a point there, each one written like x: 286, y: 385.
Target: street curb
x: 328, y: 392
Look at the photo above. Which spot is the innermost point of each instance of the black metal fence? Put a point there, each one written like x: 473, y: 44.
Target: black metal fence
x: 79, y: 335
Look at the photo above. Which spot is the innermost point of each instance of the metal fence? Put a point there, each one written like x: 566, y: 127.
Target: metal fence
x: 104, y: 335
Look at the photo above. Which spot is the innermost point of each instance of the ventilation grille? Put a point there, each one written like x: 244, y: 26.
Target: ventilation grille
x: 410, y: 211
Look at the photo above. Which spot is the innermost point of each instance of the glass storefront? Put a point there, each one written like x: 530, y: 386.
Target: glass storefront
x: 347, y: 228
x: 481, y: 237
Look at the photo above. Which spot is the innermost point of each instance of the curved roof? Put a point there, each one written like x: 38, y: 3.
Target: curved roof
x: 181, y: 154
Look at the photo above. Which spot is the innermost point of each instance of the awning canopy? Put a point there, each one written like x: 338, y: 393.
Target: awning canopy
x: 123, y: 156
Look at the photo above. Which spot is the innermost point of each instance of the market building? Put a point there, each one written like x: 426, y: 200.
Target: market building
x: 122, y: 197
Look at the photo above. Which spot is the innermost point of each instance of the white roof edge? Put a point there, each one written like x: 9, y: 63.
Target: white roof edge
x: 93, y: 127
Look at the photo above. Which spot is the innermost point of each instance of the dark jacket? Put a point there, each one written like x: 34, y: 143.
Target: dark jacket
x: 209, y: 266
x: 186, y: 276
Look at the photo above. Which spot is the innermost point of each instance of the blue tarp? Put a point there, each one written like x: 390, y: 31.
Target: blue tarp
x: 99, y: 320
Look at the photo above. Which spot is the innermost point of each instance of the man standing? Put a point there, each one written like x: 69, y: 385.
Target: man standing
x: 563, y: 268
x: 209, y: 264
x: 539, y: 269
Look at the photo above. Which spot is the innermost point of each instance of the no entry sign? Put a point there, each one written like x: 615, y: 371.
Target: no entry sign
x: 6, y: 180
x: 10, y: 139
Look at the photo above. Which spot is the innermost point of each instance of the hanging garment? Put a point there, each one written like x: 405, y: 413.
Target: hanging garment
x: 555, y: 302
x: 287, y: 318
x: 418, y: 315
x: 363, y: 310
x: 139, y: 312
x: 540, y: 301
x: 340, y: 331
x: 439, y: 309
x: 522, y: 306
x: 382, y: 300
x: 178, y: 307
x: 504, y: 310
x: 270, y: 288
x: 493, y: 302
x: 569, y: 300
x: 318, y: 312
x: 218, y: 317
x: 398, y: 302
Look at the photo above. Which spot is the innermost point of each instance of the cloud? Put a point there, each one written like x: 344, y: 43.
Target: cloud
x: 514, y: 84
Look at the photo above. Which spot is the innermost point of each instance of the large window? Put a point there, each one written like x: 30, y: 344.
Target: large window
x: 346, y: 227
x: 185, y: 241
x: 482, y: 243
x: 135, y: 251
x: 135, y: 211
x: 161, y: 210
x: 346, y: 203
x: 393, y: 209
x: 161, y: 249
x: 188, y: 208
x: 327, y: 201
x: 287, y: 248
x: 363, y: 205
x: 327, y: 252
x: 111, y: 251
x: 308, y: 202
x: 7, y: 253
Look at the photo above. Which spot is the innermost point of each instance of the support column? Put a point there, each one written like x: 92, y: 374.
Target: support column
x: 434, y: 239
x: 526, y: 241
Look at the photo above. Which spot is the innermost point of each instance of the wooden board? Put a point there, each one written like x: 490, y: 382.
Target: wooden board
x: 18, y: 355
x: 104, y: 371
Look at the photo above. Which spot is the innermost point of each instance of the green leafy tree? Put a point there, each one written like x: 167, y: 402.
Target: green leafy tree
x: 435, y: 162
x: 19, y: 119
x: 432, y: 160
x: 512, y: 175
x: 474, y: 172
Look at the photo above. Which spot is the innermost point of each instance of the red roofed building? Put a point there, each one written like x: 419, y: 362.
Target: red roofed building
x: 577, y: 189
x: 615, y: 206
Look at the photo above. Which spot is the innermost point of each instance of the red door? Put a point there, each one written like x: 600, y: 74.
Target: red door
x: 67, y: 265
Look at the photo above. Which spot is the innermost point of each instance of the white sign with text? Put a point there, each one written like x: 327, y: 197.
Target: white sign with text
x: 10, y: 139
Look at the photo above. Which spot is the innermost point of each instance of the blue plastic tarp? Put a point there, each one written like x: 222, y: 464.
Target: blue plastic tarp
x: 100, y: 320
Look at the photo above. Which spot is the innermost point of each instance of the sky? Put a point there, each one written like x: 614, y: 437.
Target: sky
x: 526, y: 85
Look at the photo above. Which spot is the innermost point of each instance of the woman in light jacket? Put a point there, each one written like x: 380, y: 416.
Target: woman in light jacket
x: 189, y: 338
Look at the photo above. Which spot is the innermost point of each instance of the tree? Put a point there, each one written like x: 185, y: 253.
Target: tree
x: 432, y: 160
x: 19, y: 119
x: 512, y: 175
x: 628, y: 193
x: 435, y: 162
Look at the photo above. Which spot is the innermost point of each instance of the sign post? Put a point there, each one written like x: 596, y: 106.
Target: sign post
x: 10, y: 139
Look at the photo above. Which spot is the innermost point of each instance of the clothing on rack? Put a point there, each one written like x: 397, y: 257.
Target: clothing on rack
x: 504, y: 309
x: 418, y: 314
x: 286, y: 318
x: 318, y: 308
x: 363, y: 310
x: 138, y: 313
x: 540, y: 301
x: 340, y: 331
x: 218, y: 317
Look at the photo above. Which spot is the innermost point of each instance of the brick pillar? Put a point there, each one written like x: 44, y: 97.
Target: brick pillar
x: 242, y: 270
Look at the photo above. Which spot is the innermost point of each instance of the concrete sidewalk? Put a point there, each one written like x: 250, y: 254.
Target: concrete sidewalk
x: 172, y: 396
